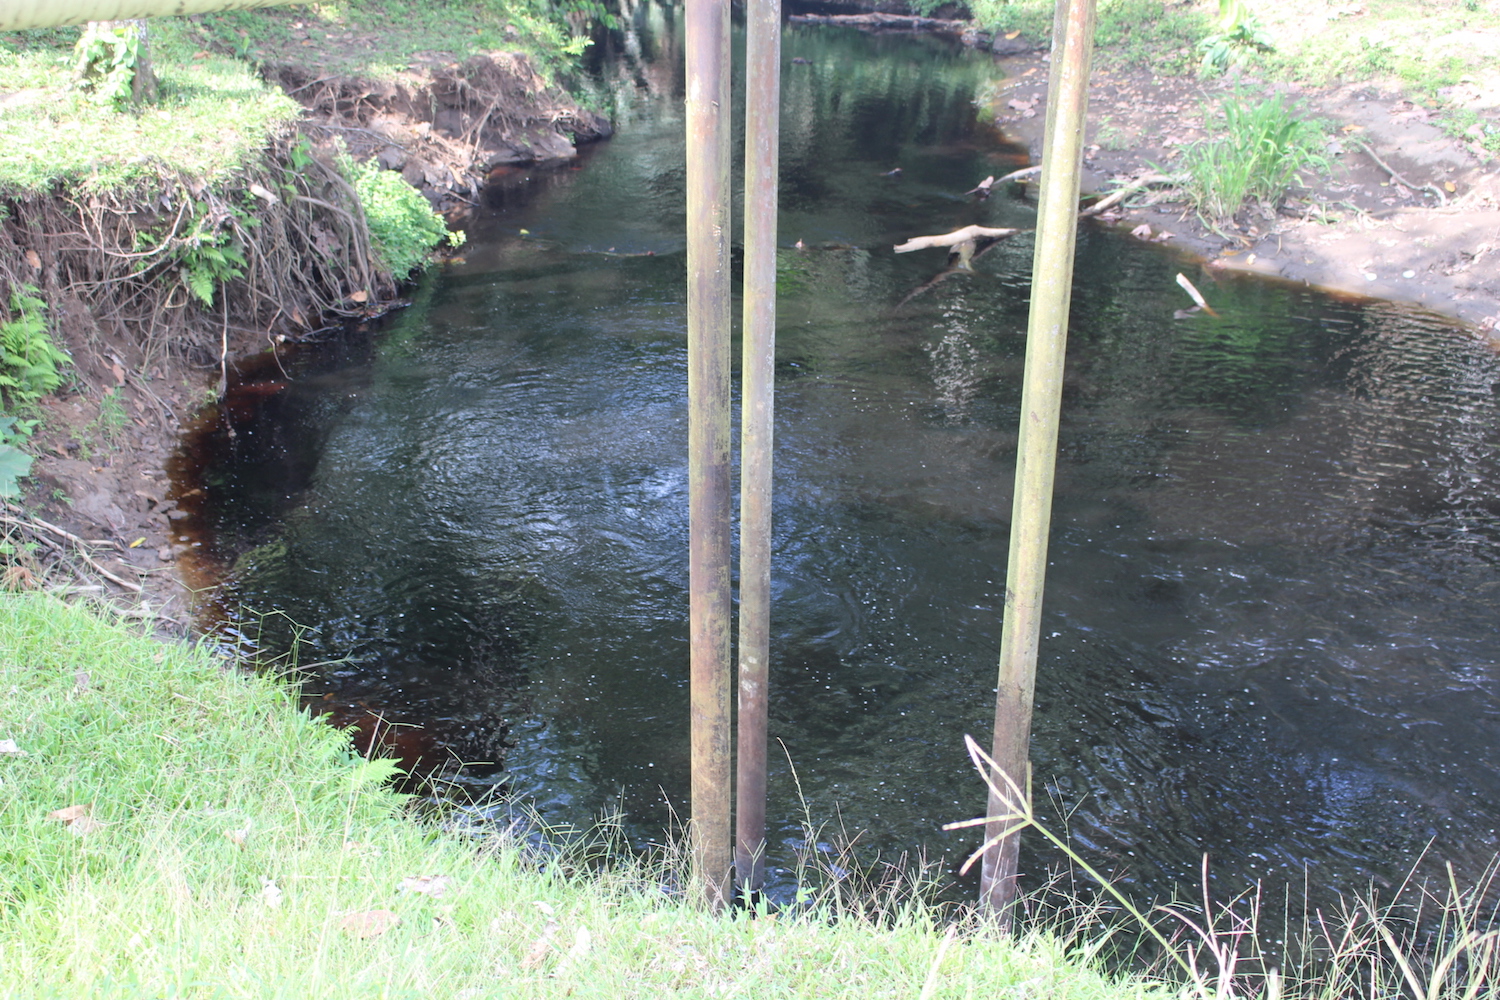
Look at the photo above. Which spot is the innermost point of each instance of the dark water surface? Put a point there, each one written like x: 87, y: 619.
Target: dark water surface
x: 1270, y: 627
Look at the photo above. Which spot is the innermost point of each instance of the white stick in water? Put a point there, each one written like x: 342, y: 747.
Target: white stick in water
x: 1197, y: 297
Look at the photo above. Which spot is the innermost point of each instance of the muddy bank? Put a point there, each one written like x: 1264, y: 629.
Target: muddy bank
x: 1407, y: 213
x: 447, y: 125
x: 158, y: 320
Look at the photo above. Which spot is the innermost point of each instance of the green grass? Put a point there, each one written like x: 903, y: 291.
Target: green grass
x: 1252, y: 151
x: 385, y: 37
x: 1155, y: 35
x: 233, y: 836
x: 213, y: 117
x: 1412, y: 42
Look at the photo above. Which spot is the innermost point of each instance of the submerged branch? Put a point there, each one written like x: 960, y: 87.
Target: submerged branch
x: 954, y: 238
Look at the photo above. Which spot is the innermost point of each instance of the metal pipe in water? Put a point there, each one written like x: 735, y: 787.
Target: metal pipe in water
x: 762, y: 122
x: 708, y: 123
x: 1041, y: 403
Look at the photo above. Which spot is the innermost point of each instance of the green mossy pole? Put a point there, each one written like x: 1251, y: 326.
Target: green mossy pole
x: 1041, y: 402
x: 762, y: 123
x: 708, y: 305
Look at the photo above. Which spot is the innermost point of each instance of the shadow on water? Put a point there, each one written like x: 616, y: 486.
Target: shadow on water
x: 1269, y: 629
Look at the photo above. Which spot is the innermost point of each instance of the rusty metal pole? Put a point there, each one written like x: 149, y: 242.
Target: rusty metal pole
x: 1041, y: 404
x: 762, y: 123
x: 708, y: 124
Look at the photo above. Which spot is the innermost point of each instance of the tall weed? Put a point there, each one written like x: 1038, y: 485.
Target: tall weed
x: 1258, y: 150
x: 1423, y: 943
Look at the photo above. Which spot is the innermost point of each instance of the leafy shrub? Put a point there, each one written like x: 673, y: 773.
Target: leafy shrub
x: 107, y: 57
x: 1258, y: 152
x: 31, y: 365
x: 1236, y: 34
x: 403, y: 227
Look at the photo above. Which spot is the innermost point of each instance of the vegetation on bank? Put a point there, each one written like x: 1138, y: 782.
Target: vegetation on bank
x: 173, y: 827
x: 165, y: 216
x: 1415, y: 44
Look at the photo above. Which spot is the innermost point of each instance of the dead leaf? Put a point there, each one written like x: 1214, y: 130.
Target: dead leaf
x: 10, y: 747
x: 69, y: 814
x: 427, y: 885
x: 85, y: 825
x: 370, y: 923
x: 1162, y: 236
x: 81, y: 681
x: 238, y: 837
x: 1014, y: 34
x: 119, y: 374
x: 264, y: 194
x: 540, y: 948
x: 17, y: 578
x: 1141, y: 232
x: 582, y: 942
x: 1449, y: 186
x: 359, y: 296
x: 33, y: 260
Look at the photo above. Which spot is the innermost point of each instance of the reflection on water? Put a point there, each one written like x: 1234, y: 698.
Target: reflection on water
x: 1269, y: 630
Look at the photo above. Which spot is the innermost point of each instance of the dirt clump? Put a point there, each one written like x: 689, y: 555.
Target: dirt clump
x: 446, y: 127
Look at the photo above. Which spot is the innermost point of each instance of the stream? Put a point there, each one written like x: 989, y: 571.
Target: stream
x: 1270, y: 621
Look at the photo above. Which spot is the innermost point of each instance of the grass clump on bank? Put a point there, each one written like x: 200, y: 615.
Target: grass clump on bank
x: 1254, y: 150
x: 173, y: 827
x: 213, y: 115
x: 383, y: 38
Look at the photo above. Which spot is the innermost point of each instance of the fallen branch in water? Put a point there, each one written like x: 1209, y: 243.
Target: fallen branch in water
x: 902, y: 22
x: 1115, y: 197
x: 960, y: 261
x: 1195, y: 295
x: 954, y: 238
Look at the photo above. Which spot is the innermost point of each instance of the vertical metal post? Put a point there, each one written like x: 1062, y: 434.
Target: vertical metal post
x: 1041, y: 403
x: 708, y: 125
x: 762, y: 122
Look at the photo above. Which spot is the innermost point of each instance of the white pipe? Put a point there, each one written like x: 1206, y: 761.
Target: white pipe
x: 18, y: 14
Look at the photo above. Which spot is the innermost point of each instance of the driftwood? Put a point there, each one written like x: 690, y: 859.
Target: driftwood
x: 1195, y: 295
x: 1442, y: 198
x: 961, y: 259
x: 964, y: 235
x: 1115, y: 197
x: 900, y: 22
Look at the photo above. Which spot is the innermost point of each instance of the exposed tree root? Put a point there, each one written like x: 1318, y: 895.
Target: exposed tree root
x: 132, y: 277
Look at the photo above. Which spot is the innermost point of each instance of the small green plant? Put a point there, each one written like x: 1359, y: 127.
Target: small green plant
x: 106, y: 429
x: 107, y: 57
x: 1466, y: 124
x: 15, y: 464
x: 206, y: 256
x: 31, y: 365
x: 1258, y: 153
x: 1236, y: 34
x: 403, y: 226
x: 209, y: 260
